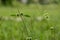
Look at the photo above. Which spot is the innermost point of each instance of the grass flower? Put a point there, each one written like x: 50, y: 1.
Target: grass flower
x: 29, y: 38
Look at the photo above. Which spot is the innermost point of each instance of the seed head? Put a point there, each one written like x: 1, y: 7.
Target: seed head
x: 29, y: 38
x: 21, y: 14
x: 52, y: 28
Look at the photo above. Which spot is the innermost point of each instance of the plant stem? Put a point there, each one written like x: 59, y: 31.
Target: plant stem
x: 25, y: 27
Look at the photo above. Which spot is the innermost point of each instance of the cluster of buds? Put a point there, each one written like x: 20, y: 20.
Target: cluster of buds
x: 16, y: 17
x: 43, y: 17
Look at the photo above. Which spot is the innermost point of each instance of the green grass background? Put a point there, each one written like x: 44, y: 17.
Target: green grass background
x: 12, y: 30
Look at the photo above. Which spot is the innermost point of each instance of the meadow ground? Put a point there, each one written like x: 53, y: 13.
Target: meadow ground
x: 27, y: 29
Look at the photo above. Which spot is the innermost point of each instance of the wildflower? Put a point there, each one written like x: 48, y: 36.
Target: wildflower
x: 52, y: 28
x: 46, y: 16
x: 21, y: 14
x: 29, y: 38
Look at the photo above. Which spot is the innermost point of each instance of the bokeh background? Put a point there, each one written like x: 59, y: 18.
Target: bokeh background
x: 29, y: 19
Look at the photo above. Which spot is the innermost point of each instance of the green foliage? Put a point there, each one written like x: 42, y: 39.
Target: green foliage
x: 30, y: 28
x: 3, y: 2
x: 6, y: 2
x: 9, y: 2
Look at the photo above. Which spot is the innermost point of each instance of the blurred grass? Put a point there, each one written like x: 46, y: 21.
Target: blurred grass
x: 11, y: 30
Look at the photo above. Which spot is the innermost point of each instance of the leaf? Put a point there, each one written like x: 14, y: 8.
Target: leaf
x: 26, y: 15
x: 13, y: 15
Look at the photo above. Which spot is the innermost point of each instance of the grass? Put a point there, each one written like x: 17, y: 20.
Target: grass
x: 34, y: 30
